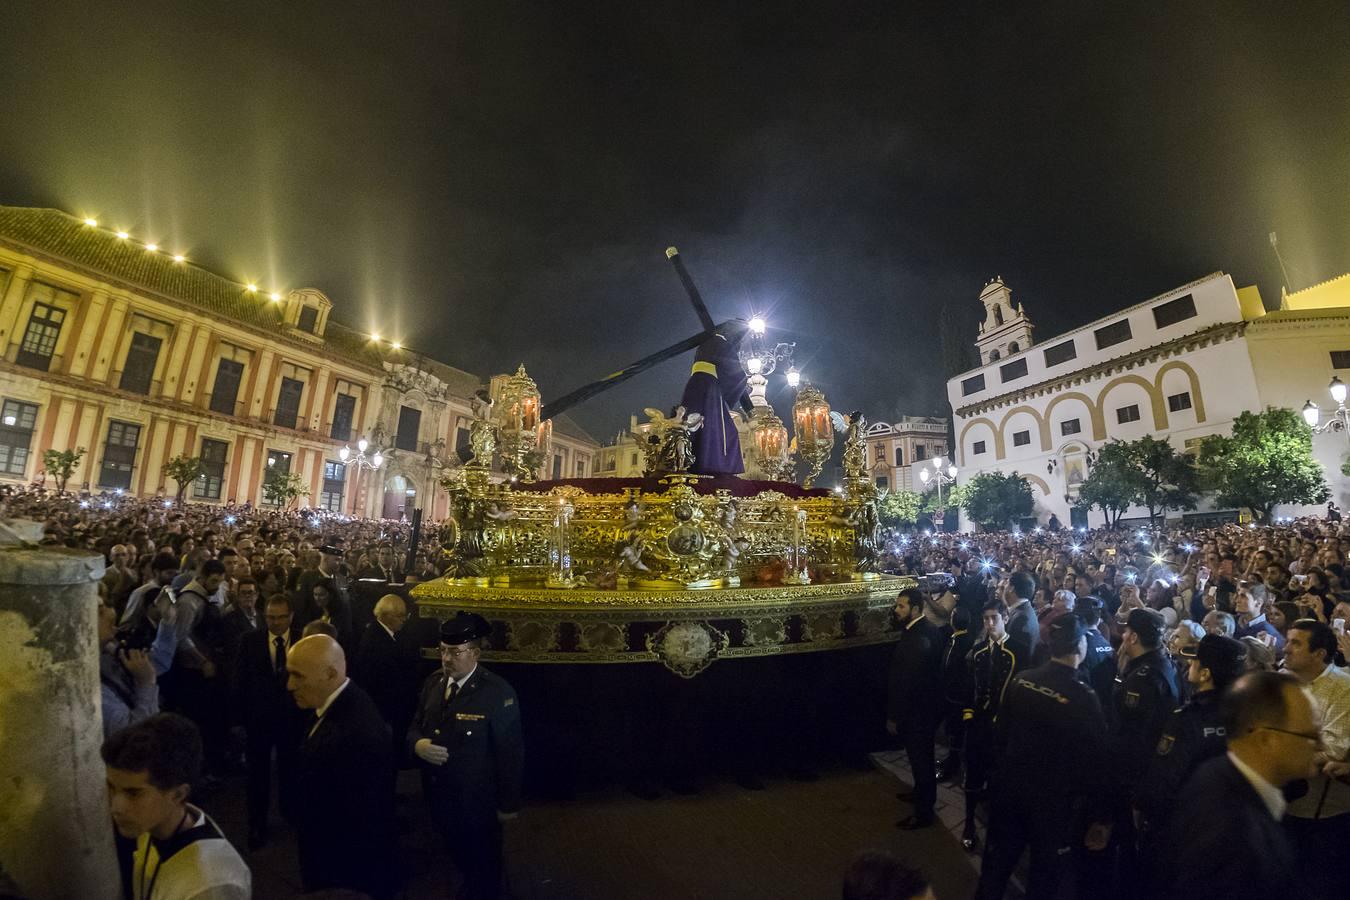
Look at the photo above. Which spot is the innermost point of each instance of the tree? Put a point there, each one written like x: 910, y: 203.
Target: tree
x: 184, y: 470
x: 61, y: 465
x: 900, y: 507
x: 283, y: 489
x: 1267, y: 461
x: 995, y: 500
x: 1148, y: 472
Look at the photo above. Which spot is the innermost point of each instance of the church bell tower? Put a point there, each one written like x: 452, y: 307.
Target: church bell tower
x: 1006, y: 330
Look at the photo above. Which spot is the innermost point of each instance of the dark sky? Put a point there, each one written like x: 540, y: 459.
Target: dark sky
x: 496, y: 181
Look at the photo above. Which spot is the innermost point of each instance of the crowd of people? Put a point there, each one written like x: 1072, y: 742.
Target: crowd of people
x: 1108, y: 699
x: 1111, y: 698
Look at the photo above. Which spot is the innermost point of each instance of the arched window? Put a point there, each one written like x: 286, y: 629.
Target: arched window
x: 1013, y: 348
x: 993, y: 355
x: 998, y: 315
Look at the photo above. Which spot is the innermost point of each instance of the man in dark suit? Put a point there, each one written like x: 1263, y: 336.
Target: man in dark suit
x: 914, y: 702
x: 1225, y: 839
x: 385, y: 569
x: 1023, y: 625
x: 466, y: 735
x: 241, y: 619
x: 387, y: 665
x: 261, y: 704
x: 345, y: 790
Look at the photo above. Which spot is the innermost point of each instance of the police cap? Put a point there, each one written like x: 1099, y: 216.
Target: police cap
x: 464, y: 627
x: 330, y: 550
x: 1065, y: 633
x: 1223, y: 656
x: 1146, y: 623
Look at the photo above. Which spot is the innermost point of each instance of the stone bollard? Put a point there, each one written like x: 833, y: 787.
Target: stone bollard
x: 55, y: 831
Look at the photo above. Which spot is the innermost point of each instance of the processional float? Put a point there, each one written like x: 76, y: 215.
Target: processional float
x: 686, y: 565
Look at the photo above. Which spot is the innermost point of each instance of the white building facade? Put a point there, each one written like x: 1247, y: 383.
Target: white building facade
x: 1179, y: 366
x: 897, y: 451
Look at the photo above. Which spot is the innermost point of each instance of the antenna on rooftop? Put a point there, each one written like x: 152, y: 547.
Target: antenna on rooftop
x: 1275, y: 245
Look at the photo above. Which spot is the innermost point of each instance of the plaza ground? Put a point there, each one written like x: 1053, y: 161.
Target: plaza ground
x: 792, y: 839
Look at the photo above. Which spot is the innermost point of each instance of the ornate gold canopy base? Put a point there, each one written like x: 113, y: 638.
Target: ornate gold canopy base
x: 684, y: 630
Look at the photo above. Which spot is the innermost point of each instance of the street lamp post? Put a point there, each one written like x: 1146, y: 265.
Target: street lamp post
x: 939, y: 475
x: 361, y: 462
x: 1339, y: 420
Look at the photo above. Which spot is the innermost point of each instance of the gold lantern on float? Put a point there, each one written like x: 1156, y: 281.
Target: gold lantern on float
x: 815, y: 434
x: 517, y: 410
x: 771, y: 444
x: 541, y: 461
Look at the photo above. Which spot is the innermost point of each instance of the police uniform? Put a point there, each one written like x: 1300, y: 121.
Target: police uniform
x: 1052, y: 755
x: 992, y: 666
x: 1099, y: 667
x: 480, y: 727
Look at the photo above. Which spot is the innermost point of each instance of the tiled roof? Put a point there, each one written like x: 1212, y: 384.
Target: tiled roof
x: 66, y: 239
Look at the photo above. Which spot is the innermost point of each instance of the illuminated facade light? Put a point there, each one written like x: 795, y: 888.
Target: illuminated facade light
x: 252, y: 288
x: 375, y: 336
x: 122, y: 235
x: 276, y: 296
x: 152, y: 247
x: 757, y: 324
x: 396, y: 345
x: 91, y: 222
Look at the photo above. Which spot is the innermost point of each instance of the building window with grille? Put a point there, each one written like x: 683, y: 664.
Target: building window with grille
x: 334, y: 481
x: 17, y: 420
x: 1178, y: 402
x: 975, y: 383
x: 1174, y: 311
x: 409, y: 424
x: 119, y: 455
x: 977, y: 448
x: 1070, y: 426
x: 581, y: 468
x: 226, y: 391
x: 1128, y: 413
x: 288, y: 402
x: 1115, y: 333
x: 139, y: 369
x: 1340, y: 359
x: 899, y: 456
x: 39, y: 339
x: 920, y: 452
x: 1060, y: 353
x: 1021, y: 438
x: 1013, y: 370
x: 344, y: 411
x: 212, y: 479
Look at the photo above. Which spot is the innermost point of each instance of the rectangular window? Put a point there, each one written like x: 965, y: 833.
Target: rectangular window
x: 226, y: 391
x: 972, y: 385
x: 1340, y: 359
x: 214, y: 454
x: 899, y: 456
x: 1115, y: 333
x: 883, y: 482
x: 463, y: 445
x: 581, y: 468
x: 139, y: 369
x: 1178, y: 402
x: 920, y: 452
x: 309, y: 318
x: 1174, y: 311
x: 1070, y: 426
x: 278, y: 465
x: 1015, y: 369
x: 557, y: 466
x: 1060, y: 353
x: 633, y: 461
x: 409, y: 423
x: 288, y: 402
x: 334, y: 481
x: 39, y: 340
x: 16, y: 436
x: 1128, y: 413
x: 119, y: 455
x: 1021, y: 438
x: 977, y: 448
x: 344, y: 408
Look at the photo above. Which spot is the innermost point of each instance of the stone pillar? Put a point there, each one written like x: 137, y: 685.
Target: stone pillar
x: 55, y: 831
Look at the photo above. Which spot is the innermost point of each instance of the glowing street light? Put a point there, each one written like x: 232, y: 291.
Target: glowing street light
x: 152, y: 247
x: 91, y: 222
x: 1339, y: 420
x: 794, y: 378
x: 178, y: 257
x: 122, y: 235
x: 757, y: 324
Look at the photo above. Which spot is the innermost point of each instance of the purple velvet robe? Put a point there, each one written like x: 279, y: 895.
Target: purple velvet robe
x: 717, y: 445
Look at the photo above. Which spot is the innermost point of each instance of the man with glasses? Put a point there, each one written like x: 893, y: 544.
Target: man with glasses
x: 466, y: 734
x: 1225, y: 839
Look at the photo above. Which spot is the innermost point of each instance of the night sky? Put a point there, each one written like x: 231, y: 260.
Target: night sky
x: 496, y: 182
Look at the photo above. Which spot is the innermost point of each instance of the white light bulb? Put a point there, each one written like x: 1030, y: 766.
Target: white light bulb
x: 378, y: 460
x: 757, y: 324
x: 252, y: 288
x: 755, y: 365
x: 951, y: 471
x: 1310, y: 414
x: 152, y: 247
x: 362, y: 444
x: 123, y: 235
x: 794, y: 378
x: 375, y: 336
x: 396, y: 345
x: 91, y: 222
x: 178, y: 257
x: 276, y: 296
x: 1337, y: 389
x: 937, y: 462
x: 344, y: 453
x: 924, y: 476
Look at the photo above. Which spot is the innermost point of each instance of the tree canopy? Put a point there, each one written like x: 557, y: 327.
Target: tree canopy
x: 995, y: 500
x: 1267, y: 461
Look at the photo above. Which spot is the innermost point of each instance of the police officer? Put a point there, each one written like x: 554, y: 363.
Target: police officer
x: 1052, y: 741
x: 992, y: 666
x: 956, y: 689
x: 1099, y: 667
x: 466, y: 735
x: 1191, y: 735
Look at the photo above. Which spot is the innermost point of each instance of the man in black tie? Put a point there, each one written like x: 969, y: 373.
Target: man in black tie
x: 386, y: 567
x: 270, y: 719
x: 467, y: 736
x: 387, y: 665
x: 914, y: 702
x: 345, y: 790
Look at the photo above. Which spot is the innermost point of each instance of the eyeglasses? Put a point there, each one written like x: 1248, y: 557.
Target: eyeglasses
x: 1314, y: 738
x: 456, y: 652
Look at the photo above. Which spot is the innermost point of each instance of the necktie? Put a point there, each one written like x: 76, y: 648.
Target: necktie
x: 280, y: 641
x: 452, y: 693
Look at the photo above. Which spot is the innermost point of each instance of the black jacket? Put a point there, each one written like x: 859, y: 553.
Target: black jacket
x: 345, y: 798
x: 992, y: 667
x: 260, y: 699
x: 388, y: 668
x: 1024, y: 626
x: 915, y: 688
x: 481, y: 729
x: 956, y: 667
x: 1145, y: 695
x: 1191, y: 735
x: 1222, y: 841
